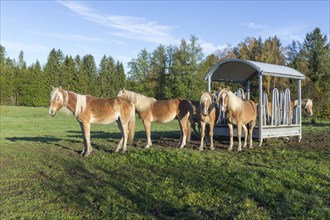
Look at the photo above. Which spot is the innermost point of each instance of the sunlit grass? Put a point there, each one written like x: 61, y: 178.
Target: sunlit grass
x: 43, y: 175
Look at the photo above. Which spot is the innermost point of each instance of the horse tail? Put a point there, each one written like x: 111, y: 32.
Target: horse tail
x: 131, y: 126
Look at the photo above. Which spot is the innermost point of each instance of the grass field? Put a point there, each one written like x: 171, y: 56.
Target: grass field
x: 44, y: 177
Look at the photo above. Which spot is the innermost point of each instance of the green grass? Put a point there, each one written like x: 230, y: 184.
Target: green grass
x: 44, y: 177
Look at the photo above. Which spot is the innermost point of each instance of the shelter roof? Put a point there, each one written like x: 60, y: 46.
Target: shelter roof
x: 238, y: 70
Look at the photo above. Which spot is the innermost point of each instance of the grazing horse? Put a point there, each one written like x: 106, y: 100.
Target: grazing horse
x: 208, y: 115
x: 88, y: 109
x: 152, y: 110
x: 240, y: 112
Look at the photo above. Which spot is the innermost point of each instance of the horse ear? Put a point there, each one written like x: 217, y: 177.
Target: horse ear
x: 202, y: 92
x: 219, y: 89
x: 53, y: 88
x: 60, y: 88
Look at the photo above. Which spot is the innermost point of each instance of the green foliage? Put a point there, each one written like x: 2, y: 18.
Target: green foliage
x: 44, y: 177
x: 168, y: 71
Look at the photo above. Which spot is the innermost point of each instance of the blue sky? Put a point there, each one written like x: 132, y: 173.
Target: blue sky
x: 121, y: 29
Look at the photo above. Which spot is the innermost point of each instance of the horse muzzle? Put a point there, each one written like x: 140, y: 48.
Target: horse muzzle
x: 52, y: 112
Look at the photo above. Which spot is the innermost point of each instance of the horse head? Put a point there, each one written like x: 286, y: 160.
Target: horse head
x: 121, y: 93
x: 309, y: 107
x: 57, y: 97
x: 223, y: 99
x: 205, y: 103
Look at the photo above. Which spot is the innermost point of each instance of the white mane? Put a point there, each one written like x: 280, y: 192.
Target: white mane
x: 234, y: 103
x: 80, y: 105
x: 140, y: 101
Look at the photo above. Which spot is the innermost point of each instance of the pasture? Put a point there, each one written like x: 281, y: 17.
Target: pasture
x: 43, y: 176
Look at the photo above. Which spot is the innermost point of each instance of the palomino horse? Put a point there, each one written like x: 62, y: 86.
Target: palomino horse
x: 150, y: 110
x: 307, y: 104
x: 239, y: 112
x: 208, y: 115
x: 88, y: 109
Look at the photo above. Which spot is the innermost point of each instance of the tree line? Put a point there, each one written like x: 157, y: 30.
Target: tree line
x: 168, y: 71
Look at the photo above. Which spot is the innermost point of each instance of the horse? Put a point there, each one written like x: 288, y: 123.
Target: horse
x: 208, y: 115
x: 152, y: 110
x: 240, y: 112
x: 88, y: 109
x: 306, y: 104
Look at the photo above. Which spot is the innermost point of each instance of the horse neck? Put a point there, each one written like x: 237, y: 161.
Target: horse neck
x: 234, y: 103
x: 140, y: 101
x: 71, y: 101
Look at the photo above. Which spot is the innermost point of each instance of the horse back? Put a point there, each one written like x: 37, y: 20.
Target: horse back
x: 107, y: 110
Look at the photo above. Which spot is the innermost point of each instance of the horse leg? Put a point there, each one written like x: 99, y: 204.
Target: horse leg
x: 202, y: 136
x: 239, y: 134
x: 231, y: 134
x: 211, y: 128
x: 125, y: 136
x: 245, y: 135
x: 147, y: 125
x: 184, y: 131
x: 120, y: 144
x: 85, y: 128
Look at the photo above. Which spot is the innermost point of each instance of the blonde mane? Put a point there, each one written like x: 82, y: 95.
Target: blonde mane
x: 234, y: 102
x: 80, y: 105
x: 140, y: 101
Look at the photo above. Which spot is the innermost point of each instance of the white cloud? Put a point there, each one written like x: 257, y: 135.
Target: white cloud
x: 74, y: 37
x: 255, y: 25
x: 126, y: 26
x: 209, y: 48
x: 26, y: 47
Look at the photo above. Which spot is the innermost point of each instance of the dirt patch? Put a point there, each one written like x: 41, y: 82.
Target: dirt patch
x: 318, y: 140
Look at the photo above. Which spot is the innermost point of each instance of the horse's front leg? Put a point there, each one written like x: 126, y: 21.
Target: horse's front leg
x: 246, y: 134
x: 85, y: 128
x: 211, y: 129
x: 202, y: 135
x: 231, y: 134
x: 147, y: 125
x: 239, y: 134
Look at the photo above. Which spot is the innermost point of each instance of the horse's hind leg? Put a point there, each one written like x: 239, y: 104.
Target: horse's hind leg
x: 147, y: 125
x: 184, y: 131
x: 85, y: 128
x: 122, y: 140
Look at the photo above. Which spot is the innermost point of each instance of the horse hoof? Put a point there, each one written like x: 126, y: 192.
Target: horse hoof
x: 211, y: 148
x: 86, y: 154
x: 230, y: 149
x: 239, y: 150
x: 200, y: 148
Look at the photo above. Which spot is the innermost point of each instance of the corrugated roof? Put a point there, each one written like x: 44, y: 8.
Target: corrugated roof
x: 238, y: 70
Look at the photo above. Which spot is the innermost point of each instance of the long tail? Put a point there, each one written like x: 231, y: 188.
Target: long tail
x: 131, y: 126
